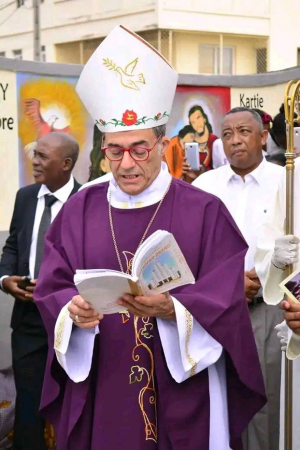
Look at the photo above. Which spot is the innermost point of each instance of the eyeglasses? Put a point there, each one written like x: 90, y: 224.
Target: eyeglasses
x: 137, y: 153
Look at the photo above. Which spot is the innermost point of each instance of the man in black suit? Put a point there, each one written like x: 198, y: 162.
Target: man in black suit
x: 35, y: 208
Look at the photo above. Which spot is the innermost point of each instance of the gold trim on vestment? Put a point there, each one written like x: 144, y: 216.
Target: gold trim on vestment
x: 138, y: 373
x: 60, y: 328
x: 188, y: 333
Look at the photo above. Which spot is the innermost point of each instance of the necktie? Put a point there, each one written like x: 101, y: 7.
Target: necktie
x: 44, y: 225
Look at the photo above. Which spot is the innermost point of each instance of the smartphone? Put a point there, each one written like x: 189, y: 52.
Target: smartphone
x: 297, y: 140
x: 23, y: 284
x: 192, y: 154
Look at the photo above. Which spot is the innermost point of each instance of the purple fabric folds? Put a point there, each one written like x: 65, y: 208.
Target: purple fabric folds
x: 104, y: 410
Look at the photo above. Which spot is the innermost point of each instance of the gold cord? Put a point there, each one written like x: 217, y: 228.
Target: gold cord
x: 144, y: 235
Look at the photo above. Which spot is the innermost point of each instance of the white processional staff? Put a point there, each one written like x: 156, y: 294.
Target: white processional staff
x: 291, y: 106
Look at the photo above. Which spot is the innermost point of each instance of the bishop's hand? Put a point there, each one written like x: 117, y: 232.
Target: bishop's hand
x: 82, y: 314
x: 160, y: 306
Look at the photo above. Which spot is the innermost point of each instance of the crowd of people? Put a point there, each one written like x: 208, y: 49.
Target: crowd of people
x: 198, y: 368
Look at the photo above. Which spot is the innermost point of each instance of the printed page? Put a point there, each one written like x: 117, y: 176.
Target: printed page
x: 160, y: 265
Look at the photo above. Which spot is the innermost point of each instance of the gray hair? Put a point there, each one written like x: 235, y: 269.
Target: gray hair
x: 160, y: 130
x: 254, y: 114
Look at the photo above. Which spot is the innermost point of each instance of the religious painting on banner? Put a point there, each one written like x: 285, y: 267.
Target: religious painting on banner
x: 47, y: 104
x: 196, y: 116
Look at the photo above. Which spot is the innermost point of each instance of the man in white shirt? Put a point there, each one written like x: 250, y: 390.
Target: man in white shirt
x: 246, y: 186
x: 35, y: 207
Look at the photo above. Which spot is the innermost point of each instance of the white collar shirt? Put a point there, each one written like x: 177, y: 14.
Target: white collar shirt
x: 153, y: 194
x: 247, y: 200
x: 62, y: 196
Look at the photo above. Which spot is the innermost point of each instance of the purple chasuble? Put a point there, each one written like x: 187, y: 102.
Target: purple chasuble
x: 130, y: 399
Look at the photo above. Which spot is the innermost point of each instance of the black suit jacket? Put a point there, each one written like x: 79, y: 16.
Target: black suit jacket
x: 15, y: 256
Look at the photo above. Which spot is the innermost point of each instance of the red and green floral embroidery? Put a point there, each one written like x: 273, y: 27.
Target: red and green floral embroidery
x: 130, y: 118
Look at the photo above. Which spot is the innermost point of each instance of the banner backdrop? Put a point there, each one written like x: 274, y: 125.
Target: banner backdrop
x: 48, y: 104
x: 8, y: 146
x: 267, y: 98
x: 38, y: 98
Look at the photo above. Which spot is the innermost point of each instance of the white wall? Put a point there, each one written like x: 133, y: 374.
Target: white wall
x: 223, y: 16
x: 255, y: 8
x: 284, y: 34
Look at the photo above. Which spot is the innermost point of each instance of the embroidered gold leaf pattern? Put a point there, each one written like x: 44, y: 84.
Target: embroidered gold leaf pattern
x: 146, y: 330
x: 125, y: 316
x: 109, y: 64
x: 136, y: 374
x: 147, y: 393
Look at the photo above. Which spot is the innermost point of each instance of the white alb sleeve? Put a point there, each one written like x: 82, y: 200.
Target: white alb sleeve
x: 188, y: 348
x: 293, y: 347
x: 74, y: 346
x: 273, y: 227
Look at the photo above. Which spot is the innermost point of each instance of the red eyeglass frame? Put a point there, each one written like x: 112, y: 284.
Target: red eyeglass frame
x: 129, y: 149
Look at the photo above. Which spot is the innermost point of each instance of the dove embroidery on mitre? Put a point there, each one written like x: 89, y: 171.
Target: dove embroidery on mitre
x: 127, y: 77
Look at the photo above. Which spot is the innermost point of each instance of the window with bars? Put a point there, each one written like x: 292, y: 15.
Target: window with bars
x: 209, y: 60
x: 18, y: 54
x: 261, y: 60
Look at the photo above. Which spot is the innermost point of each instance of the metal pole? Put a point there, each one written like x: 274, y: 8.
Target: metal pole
x: 291, y: 104
x: 36, y: 30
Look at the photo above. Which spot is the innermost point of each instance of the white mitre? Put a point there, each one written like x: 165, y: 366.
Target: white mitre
x: 127, y: 84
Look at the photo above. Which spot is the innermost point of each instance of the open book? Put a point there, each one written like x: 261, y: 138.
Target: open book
x: 291, y: 286
x: 158, y: 266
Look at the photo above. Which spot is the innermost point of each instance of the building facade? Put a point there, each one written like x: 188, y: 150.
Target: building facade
x: 196, y: 36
